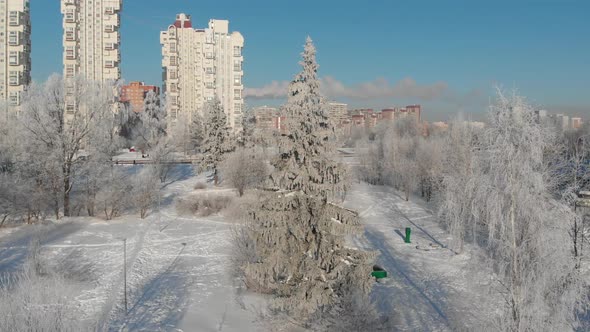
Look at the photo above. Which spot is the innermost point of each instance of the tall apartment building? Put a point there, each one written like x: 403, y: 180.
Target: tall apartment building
x: 200, y: 65
x: 15, y: 51
x: 577, y: 123
x: 135, y: 93
x: 337, y: 112
x: 91, y: 39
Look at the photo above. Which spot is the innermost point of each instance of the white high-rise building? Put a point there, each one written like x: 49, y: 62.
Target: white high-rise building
x: 91, y: 39
x: 15, y: 51
x: 200, y: 65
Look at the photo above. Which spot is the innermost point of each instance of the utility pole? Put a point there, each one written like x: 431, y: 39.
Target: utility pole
x: 125, y: 272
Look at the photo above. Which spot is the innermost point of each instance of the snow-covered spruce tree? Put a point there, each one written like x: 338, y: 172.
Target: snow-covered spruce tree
x: 53, y: 135
x: 527, y: 237
x: 298, y: 236
x: 306, y: 153
x: 248, y: 134
x: 197, y: 131
x: 218, y: 139
x: 152, y: 128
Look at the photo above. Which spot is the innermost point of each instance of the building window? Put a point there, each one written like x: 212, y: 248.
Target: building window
x: 238, y: 80
x: 69, y: 71
x: 14, y: 98
x: 237, y: 94
x: 173, y: 75
x: 70, y: 53
x: 173, y: 47
x: 237, y: 108
x: 209, y: 85
x: 173, y: 87
x: 70, y: 18
x: 14, y: 18
x: 13, y: 38
x: 210, y: 70
x: 237, y: 65
x: 110, y: 64
x: 109, y: 28
x: 209, y: 55
x: 13, y: 58
x: 173, y: 60
x: 14, y: 78
x: 109, y: 10
x: 237, y: 51
x: 110, y: 46
x: 70, y: 34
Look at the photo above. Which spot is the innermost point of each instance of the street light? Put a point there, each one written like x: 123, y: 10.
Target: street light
x: 125, y: 272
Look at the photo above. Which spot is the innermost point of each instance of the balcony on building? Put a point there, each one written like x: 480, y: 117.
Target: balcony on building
x: 70, y: 53
x: 110, y: 10
x: 110, y: 28
x: 14, y: 38
x: 70, y: 16
x: 110, y: 64
x: 14, y: 18
x: 110, y: 46
x: 70, y: 34
x: 14, y: 58
x: 14, y: 79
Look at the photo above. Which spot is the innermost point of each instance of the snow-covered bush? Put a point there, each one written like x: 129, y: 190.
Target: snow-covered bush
x: 245, y: 169
x: 203, y: 205
x: 38, y: 299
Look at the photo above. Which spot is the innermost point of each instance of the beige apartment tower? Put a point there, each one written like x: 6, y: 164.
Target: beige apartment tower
x: 200, y: 65
x: 91, y: 39
x: 15, y: 51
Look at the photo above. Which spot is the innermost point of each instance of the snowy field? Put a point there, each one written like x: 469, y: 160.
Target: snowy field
x: 178, y: 273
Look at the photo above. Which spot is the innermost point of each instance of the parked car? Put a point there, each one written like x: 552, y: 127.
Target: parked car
x: 132, y: 149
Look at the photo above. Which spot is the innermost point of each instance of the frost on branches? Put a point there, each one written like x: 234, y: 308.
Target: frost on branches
x: 305, y: 160
x: 297, y: 235
x: 218, y: 140
x: 509, y: 199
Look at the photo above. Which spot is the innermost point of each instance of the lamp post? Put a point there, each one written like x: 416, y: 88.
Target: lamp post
x: 125, y: 273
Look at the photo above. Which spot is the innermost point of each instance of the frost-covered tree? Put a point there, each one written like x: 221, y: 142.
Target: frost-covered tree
x: 245, y: 168
x: 300, y: 253
x: 297, y: 236
x: 524, y: 223
x: 197, y: 131
x: 306, y: 159
x: 248, y: 136
x: 218, y: 139
x: 146, y: 188
x: 53, y: 133
x: 429, y: 160
x: 459, y: 182
x: 152, y: 128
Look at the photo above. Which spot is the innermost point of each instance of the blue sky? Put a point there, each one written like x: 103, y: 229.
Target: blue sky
x: 446, y: 55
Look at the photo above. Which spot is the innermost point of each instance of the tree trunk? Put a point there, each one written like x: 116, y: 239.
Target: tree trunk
x: 66, y: 196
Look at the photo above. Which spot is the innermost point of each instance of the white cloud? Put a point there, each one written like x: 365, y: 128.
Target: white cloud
x: 376, y: 89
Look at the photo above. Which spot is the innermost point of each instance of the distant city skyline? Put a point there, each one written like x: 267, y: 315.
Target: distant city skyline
x: 444, y: 56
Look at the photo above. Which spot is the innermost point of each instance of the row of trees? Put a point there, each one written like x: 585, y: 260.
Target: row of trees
x: 509, y: 189
x: 57, y: 159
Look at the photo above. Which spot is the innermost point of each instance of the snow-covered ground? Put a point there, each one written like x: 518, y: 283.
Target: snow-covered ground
x: 429, y: 288
x: 179, y: 279
x: 178, y: 268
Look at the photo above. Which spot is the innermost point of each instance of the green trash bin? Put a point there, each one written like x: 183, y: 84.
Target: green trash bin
x: 408, y: 233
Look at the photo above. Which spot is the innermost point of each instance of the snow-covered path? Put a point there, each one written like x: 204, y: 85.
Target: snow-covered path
x: 429, y: 287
